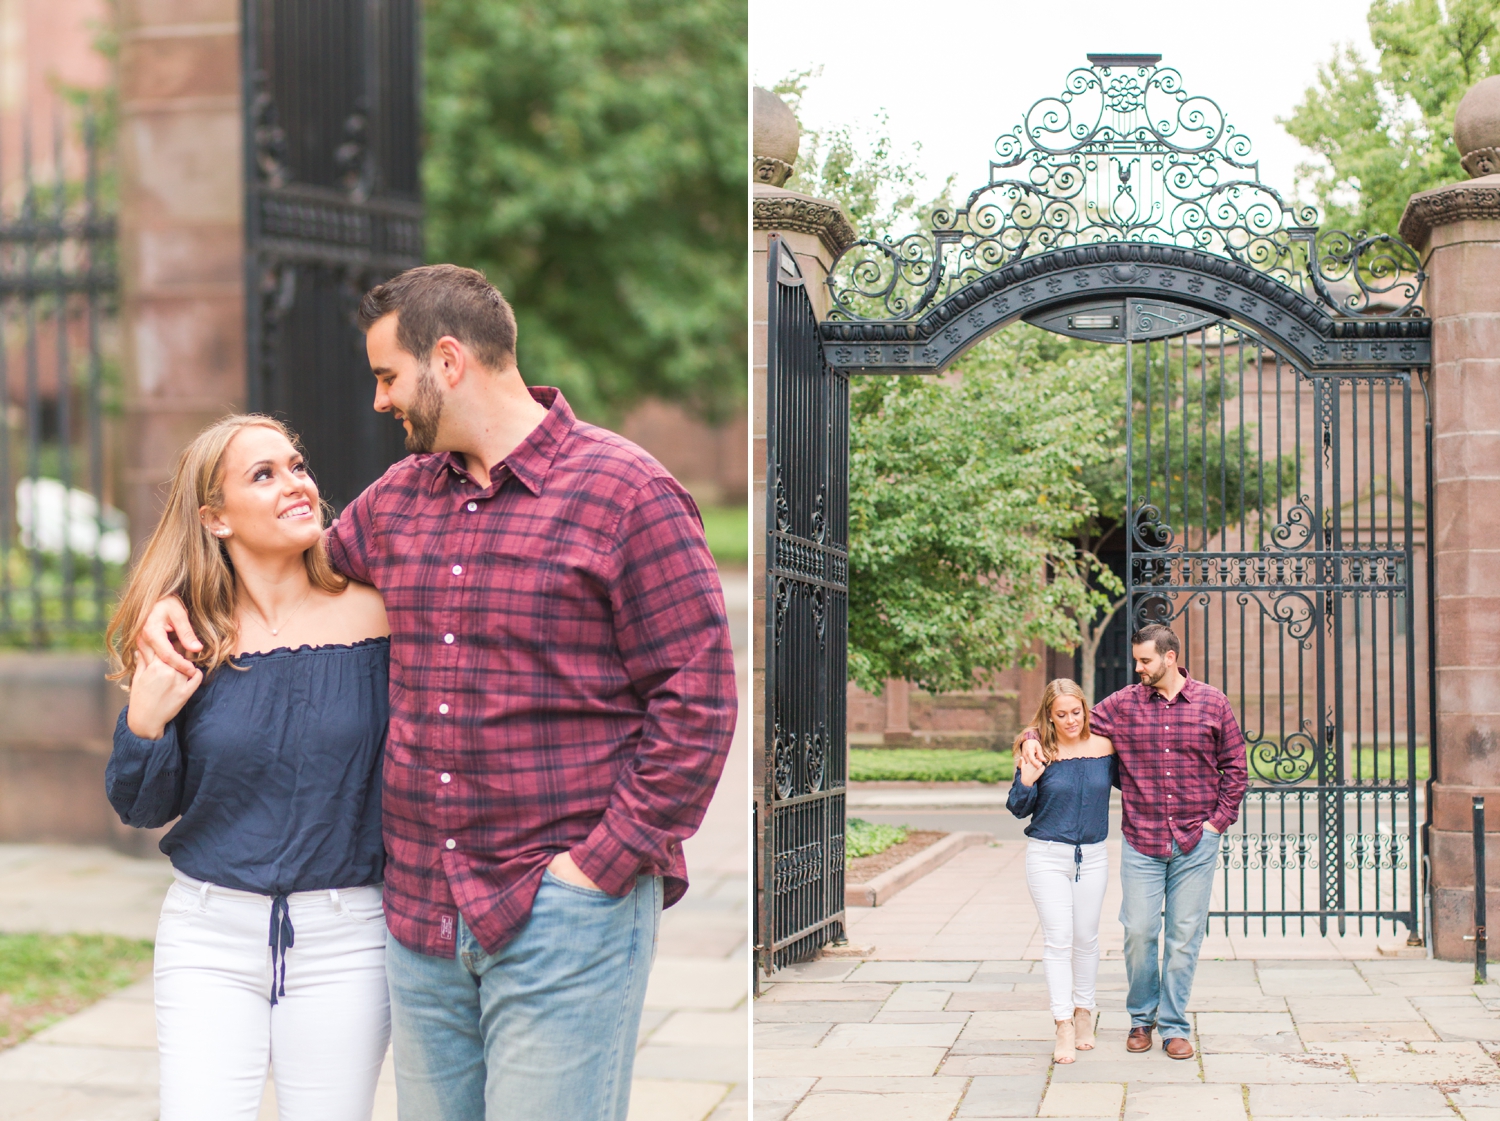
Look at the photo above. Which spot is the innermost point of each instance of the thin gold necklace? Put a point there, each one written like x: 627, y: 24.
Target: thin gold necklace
x: 277, y: 630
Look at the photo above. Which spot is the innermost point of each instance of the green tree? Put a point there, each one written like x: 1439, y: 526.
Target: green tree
x: 589, y: 156
x: 1385, y: 131
x: 965, y: 495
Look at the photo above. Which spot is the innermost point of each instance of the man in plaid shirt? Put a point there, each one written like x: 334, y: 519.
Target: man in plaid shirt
x: 562, y: 701
x: 1182, y: 779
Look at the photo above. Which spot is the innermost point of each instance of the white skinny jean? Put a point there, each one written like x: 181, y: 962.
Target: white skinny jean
x: 1068, y: 898
x: 217, y: 1030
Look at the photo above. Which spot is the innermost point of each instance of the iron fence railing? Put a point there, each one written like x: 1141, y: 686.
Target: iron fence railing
x: 63, y: 543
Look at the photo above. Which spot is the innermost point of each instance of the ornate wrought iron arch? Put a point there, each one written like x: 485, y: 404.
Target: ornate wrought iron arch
x: 1126, y: 186
x: 1143, y: 277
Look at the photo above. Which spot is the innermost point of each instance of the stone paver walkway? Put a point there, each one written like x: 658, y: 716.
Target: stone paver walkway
x: 692, y: 1065
x: 946, y: 1016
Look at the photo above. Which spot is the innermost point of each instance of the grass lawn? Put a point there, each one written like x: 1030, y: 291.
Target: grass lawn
x: 864, y: 838
x: 44, y: 977
x: 1370, y: 761
x: 868, y: 764
x: 728, y: 531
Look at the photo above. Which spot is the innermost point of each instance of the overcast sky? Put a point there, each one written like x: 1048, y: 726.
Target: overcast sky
x: 954, y: 74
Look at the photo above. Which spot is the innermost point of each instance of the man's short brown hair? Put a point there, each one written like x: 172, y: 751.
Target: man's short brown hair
x: 1164, y: 638
x: 431, y: 301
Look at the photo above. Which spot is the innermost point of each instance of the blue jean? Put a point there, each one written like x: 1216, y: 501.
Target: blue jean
x: 543, y: 1030
x: 1161, y: 977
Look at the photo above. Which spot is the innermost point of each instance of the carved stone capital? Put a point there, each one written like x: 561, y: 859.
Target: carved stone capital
x: 768, y: 169
x: 1482, y: 161
x: 1457, y: 202
x: 778, y: 209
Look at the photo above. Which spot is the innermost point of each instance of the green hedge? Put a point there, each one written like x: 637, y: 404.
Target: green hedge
x: 918, y: 765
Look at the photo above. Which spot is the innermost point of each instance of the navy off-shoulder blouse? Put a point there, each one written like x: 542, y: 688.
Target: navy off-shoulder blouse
x: 1070, y: 801
x: 274, y: 769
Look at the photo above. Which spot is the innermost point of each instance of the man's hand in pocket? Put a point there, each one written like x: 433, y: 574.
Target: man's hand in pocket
x: 564, y: 869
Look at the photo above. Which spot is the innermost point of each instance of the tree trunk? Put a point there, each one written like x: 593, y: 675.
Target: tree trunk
x: 1086, y: 662
x: 1093, y: 634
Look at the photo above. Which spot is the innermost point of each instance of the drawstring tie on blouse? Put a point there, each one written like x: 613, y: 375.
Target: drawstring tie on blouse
x: 1077, y: 863
x: 282, y: 939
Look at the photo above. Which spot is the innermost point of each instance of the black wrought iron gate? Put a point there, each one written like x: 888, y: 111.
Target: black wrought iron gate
x: 1274, y: 531
x: 332, y: 207
x: 800, y: 797
x: 1272, y: 373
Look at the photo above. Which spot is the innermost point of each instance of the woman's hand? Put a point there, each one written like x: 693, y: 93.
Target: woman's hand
x: 1030, y: 772
x: 1030, y: 751
x: 157, y: 694
x: 168, y: 619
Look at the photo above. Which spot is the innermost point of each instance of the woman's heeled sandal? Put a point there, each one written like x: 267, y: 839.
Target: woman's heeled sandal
x: 1083, y: 1029
x: 1063, y: 1052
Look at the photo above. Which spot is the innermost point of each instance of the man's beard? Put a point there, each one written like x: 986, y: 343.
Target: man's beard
x: 424, y: 413
x: 1151, y: 681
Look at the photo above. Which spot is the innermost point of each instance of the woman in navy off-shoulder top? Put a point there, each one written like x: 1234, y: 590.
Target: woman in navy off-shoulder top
x: 270, y: 951
x: 1067, y: 864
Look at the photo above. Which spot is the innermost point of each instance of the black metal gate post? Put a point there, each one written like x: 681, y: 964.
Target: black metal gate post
x: 332, y: 207
x: 800, y: 803
x: 1481, y: 903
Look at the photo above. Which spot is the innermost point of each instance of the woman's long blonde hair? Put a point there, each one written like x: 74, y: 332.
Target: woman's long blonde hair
x: 1042, y: 724
x: 184, y: 558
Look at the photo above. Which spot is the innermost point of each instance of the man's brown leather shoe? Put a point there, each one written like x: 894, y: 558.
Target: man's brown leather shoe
x: 1139, y: 1038
x: 1177, y: 1048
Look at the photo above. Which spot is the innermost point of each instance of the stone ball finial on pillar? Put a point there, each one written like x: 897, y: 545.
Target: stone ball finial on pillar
x: 777, y: 135
x: 1476, y: 127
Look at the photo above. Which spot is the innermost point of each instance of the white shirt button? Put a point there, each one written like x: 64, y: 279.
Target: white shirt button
x: 448, y: 638
x: 446, y: 777
x: 458, y: 570
x: 452, y: 844
x: 443, y: 709
x: 473, y: 506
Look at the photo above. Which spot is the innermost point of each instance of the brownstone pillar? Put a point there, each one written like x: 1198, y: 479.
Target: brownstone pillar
x: 181, y: 234
x: 897, y: 711
x: 1457, y: 230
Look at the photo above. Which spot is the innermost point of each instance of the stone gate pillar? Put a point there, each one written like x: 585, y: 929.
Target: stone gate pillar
x: 1456, y: 229
x: 817, y: 231
x: 181, y: 235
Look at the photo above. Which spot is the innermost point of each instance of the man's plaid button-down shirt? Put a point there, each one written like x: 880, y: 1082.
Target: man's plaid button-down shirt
x: 1182, y: 762
x: 561, y: 674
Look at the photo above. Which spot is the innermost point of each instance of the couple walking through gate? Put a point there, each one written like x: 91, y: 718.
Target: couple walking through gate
x: 1172, y: 745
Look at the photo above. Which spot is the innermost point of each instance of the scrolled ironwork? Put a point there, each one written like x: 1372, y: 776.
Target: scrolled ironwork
x: 1296, y: 529
x: 1124, y: 154
x: 1372, y: 270
x: 1284, y: 761
x: 815, y: 761
x: 784, y: 771
x: 1152, y: 532
x: 1294, y: 611
x: 1268, y: 851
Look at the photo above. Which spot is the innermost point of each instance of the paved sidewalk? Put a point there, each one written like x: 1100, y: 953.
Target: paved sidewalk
x: 692, y: 1065
x: 947, y: 1017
